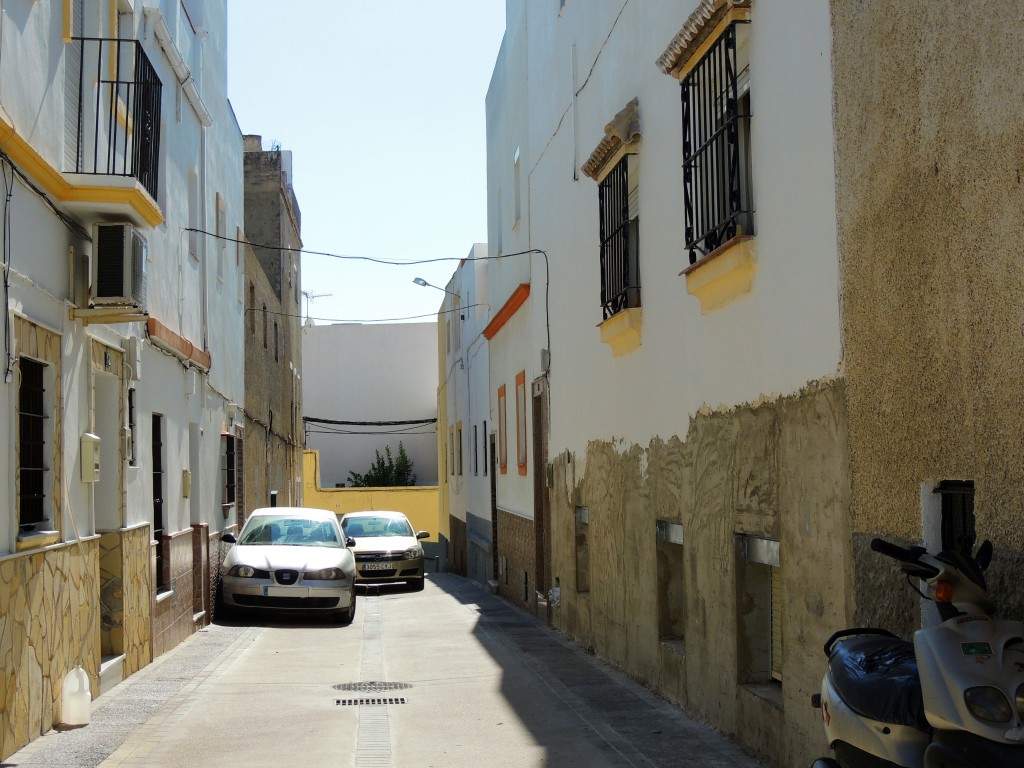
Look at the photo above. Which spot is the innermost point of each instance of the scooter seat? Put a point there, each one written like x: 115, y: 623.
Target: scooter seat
x: 877, y: 677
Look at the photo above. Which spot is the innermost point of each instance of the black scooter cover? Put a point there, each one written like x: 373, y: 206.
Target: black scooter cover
x: 877, y: 677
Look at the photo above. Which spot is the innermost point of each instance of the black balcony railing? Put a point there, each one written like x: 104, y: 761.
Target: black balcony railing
x: 715, y: 151
x: 118, y: 100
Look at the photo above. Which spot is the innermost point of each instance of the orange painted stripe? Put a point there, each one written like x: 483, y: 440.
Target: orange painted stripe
x: 178, y: 344
x: 515, y: 301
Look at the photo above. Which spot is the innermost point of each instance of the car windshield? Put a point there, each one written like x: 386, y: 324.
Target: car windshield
x: 289, y: 530
x: 376, y: 526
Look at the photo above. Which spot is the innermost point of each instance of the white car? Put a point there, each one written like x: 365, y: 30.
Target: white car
x: 386, y: 548
x: 289, y: 559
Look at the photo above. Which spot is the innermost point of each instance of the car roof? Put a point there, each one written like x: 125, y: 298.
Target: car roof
x: 374, y: 513
x: 311, y: 513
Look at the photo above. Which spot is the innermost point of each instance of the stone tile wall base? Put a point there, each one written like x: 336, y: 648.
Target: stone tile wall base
x: 459, y: 548
x: 49, y: 625
x: 517, y: 581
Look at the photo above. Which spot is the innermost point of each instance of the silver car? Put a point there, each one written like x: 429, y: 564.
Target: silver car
x: 386, y: 548
x: 289, y: 559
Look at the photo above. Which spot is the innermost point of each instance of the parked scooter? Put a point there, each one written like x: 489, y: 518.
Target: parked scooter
x: 954, y: 698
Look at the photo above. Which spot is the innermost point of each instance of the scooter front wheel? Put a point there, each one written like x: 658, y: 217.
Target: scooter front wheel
x: 825, y: 762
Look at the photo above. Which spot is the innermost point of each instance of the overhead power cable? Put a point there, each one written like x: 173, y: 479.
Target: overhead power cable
x: 314, y: 420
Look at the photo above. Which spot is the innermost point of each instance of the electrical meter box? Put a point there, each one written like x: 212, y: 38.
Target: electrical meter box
x: 90, y: 458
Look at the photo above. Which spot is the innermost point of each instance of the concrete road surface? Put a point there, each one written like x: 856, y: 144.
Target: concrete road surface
x: 451, y: 676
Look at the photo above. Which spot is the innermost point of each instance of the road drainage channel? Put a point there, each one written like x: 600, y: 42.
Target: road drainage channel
x: 373, y: 732
x: 371, y: 687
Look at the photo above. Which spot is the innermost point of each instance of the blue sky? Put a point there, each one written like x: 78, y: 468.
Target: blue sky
x: 382, y: 106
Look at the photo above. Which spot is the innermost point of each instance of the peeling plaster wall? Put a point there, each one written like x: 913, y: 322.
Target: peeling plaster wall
x: 778, y: 469
x: 929, y: 153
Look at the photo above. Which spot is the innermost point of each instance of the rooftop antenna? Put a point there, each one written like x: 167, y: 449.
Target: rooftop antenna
x: 310, y: 296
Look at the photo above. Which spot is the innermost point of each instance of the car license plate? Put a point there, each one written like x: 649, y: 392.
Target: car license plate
x: 377, y: 566
x: 285, y: 592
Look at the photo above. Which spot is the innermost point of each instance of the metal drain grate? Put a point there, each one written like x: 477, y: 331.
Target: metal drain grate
x: 362, y: 702
x: 372, y: 687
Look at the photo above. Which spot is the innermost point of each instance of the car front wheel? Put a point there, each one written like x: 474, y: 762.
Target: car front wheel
x: 350, y: 613
x: 416, y: 585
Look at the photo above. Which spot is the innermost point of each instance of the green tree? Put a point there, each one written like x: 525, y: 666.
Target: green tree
x: 386, y: 472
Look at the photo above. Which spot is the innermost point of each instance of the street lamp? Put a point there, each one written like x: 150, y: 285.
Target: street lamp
x: 420, y: 281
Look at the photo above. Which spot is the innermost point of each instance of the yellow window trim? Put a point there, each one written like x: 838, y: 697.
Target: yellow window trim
x: 68, y: 21
x: 622, y: 330
x: 53, y: 182
x: 36, y: 541
x: 723, y: 275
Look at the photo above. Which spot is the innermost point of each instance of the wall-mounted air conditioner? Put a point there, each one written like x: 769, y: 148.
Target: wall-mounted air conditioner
x: 118, y: 266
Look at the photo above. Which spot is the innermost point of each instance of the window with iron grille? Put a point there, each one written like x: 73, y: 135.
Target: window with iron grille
x: 158, y: 501
x: 958, y: 532
x: 716, y: 146
x: 132, y: 458
x: 458, y: 443
x: 620, y: 234
x: 228, y: 462
x: 31, y: 444
x: 476, y: 458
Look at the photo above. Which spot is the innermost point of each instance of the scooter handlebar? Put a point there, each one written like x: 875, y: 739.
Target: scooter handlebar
x: 903, y: 554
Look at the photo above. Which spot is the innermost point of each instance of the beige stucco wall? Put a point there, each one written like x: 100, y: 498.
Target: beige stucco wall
x: 273, y: 398
x: 419, y: 503
x: 929, y: 152
x: 50, y: 623
x: 777, y: 469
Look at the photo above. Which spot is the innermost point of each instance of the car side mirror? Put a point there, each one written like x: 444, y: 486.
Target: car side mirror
x: 349, y: 541
x: 229, y: 538
x: 423, y: 535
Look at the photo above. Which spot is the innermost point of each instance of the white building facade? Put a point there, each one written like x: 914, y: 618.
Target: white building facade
x: 465, y: 412
x: 123, y: 338
x: 669, y: 446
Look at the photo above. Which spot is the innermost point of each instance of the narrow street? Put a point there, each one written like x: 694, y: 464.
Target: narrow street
x: 452, y: 676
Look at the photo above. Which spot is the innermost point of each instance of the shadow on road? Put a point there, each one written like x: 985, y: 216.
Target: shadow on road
x: 568, y: 688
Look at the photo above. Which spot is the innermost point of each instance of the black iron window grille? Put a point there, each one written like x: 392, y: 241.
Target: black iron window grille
x: 716, y: 150
x: 158, y: 501
x: 620, y: 234
x: 132, y: 459
x: 118, y: 127
x: 958, y: 531
x: 229, y: 469
x: 31, y: 445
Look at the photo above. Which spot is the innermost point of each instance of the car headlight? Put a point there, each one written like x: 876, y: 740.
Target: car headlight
x: 988, y: 703
x: 324, y: 574
x: 248, y: 572
x: 413, y: 552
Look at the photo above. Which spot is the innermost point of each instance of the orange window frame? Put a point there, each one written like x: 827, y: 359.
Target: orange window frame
x: 502, y: 432
x: 521, y: 422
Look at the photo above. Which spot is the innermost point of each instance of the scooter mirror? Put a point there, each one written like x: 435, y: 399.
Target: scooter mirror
x: 984, y: 556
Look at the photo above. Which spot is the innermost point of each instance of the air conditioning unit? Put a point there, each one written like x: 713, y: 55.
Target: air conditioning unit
x: 118, y: 266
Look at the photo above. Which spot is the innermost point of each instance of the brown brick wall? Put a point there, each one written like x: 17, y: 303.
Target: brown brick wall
x: 457, y: 528
x: 172, y: 616
x: 517, y: 560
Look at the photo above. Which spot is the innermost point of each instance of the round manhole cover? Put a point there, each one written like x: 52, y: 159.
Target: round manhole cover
x: 372, y: 687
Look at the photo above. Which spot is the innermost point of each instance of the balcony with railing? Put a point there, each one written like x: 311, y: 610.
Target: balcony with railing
x: 112, y: 125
